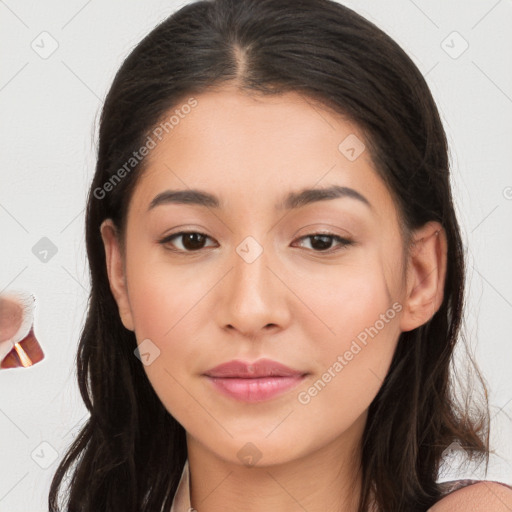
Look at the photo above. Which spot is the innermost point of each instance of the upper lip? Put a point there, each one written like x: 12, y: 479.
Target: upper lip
x: 259, y: 368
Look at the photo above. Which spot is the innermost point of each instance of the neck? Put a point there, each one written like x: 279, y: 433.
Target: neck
x: 326, y: 480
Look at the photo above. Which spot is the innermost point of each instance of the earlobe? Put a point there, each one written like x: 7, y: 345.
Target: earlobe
x: 426, y: 275
x: 115, y: 270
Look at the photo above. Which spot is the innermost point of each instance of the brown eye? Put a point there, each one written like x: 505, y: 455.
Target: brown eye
x: 190, y: 241
x: 322, y: 242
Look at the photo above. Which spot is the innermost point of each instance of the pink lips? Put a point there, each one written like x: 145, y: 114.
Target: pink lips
x: 254, y: 382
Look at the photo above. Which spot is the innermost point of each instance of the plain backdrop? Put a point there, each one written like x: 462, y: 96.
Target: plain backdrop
x: 58, y: 60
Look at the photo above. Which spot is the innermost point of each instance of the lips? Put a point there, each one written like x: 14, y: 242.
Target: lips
x: 260, y: 368
x: 254, y: 382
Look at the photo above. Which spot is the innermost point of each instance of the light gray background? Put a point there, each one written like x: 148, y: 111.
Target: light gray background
x: 49, y: 108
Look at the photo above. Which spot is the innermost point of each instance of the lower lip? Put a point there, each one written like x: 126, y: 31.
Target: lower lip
x: 255, y: 389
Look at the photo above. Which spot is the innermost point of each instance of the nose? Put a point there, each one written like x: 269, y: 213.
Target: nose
x: 254, y: 300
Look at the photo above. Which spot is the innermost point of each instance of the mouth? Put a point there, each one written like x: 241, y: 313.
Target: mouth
x: 254, y: 382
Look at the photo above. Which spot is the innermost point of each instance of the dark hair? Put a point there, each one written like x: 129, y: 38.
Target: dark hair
x: 130, y: 453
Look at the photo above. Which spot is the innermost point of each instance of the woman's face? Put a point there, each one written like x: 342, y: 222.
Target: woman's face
x: 258, y: 284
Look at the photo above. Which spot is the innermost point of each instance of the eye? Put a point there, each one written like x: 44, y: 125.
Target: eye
x: 191, y: 241
x: 322, y: 242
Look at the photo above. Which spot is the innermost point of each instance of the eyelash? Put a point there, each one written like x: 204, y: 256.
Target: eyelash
x: 344, y: 242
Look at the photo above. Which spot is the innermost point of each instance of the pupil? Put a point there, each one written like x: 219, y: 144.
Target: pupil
x: 193, y: 241
x: 325, y: 241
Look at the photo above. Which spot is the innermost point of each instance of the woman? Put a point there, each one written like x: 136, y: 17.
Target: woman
x: 277, y: 275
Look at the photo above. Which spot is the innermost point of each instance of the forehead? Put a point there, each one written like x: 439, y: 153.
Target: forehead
x: 247, y: 149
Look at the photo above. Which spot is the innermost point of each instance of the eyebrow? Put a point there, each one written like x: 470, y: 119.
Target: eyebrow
x: 292, y: 200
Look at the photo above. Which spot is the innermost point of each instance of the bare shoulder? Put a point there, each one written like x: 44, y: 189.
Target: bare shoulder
x: 480, y: 497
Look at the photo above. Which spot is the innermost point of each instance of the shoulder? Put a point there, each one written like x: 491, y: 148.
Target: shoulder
x: 483, y: 496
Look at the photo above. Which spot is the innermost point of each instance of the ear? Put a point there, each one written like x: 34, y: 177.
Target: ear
x: 426, y: 275
x: 116, y: 271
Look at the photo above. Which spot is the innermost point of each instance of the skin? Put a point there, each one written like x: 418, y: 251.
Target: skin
x: 294, y: 304
x: 480, y: 497
x: 11, y: 314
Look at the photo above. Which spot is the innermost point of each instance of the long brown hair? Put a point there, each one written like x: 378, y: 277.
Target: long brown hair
x: 130, y: 453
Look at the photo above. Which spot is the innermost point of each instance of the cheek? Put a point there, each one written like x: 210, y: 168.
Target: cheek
x: 167, y: 304
x: 353, y: 356
x: 345, y: 300
x: 163, y: 294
